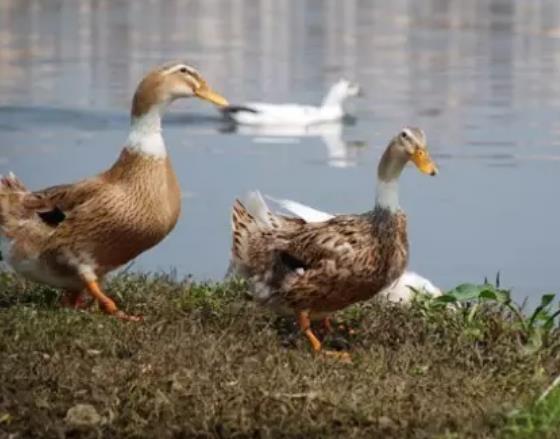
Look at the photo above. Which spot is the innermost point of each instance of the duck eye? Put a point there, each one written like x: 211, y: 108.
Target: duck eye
x: 183, y: 70
x: 404, y: 135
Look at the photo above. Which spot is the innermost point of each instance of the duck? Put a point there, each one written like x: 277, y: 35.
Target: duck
x: 261, y: 113
x: 313, y: 269
x: 70, y: 236
x: 402, y: 291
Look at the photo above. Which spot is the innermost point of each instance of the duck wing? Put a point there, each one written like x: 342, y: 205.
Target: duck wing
x: 54, y: 204
x: 341, y: 240
x: 330, y: 265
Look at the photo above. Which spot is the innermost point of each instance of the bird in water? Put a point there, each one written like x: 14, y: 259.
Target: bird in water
x: 263, y: 113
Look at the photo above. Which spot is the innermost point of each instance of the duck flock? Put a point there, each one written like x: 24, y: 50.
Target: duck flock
x: 297, y: 260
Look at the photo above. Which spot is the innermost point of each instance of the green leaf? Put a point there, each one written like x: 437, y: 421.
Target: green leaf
x: 541, y: 313
x: 546, y: 299
x: 445, y: 298
x: 466, y: 292
x: 502, y: 296
x: 488, y: 295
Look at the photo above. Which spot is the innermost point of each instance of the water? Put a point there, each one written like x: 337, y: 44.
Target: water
x: 480, y: 77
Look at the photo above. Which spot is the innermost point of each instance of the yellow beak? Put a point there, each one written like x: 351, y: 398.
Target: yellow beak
x: 206, y: 93
x: 421, y: 158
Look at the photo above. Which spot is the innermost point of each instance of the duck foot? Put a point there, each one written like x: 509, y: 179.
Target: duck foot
x: 342, y: 356
x: 127, y: 317
x: 107, y: 304
x: 304, y: 323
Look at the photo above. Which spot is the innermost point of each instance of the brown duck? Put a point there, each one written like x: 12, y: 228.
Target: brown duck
x: 70, y: 236
x: 315, y: 268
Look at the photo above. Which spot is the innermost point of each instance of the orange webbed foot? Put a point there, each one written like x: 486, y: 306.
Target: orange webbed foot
x: 108, y: 305
x: 130, y: 318
x: 342, y: 356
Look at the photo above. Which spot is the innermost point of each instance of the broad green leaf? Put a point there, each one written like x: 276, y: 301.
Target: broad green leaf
x: 546, y: 299
x: 465, y: 292
x: 488, y: 295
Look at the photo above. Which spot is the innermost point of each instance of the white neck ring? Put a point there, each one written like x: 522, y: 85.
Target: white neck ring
x: 387, y: 195
x: 145, y: 133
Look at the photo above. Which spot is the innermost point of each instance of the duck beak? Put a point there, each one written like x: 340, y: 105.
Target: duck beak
x: 421, y: 158
x: 206, y: 93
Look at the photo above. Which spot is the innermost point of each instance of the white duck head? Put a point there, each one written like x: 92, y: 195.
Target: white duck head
x: 339, y: 91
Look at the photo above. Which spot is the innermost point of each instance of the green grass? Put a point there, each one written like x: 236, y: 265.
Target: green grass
x: 207, y: 362
x: 541, y: 419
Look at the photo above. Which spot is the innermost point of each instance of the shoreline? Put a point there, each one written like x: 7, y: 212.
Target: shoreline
x: 207, y: 362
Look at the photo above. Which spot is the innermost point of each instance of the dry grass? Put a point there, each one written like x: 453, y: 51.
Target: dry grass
x: 208, y: 363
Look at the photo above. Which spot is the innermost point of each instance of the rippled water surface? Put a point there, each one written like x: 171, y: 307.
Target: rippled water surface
x: 481, y: 78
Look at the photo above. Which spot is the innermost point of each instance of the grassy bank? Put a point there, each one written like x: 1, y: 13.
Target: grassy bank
x: 207, y: 362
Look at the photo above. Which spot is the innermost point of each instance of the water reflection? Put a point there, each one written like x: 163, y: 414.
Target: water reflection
x: 340, y: 153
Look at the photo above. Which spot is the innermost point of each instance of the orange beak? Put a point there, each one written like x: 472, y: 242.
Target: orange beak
x: 421, y: 158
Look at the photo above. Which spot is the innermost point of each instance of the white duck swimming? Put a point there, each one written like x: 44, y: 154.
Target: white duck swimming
x: 400, y: 291
x: 260, y: 113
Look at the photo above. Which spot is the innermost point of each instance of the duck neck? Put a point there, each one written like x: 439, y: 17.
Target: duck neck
x: 388, y: 173
x: 145, y: 132
x: 387, y: 195
x: 334, y: 98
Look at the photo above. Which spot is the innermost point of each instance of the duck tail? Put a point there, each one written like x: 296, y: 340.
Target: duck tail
x: 12, y: 192
x: 243, y: 225
x: 306, y: 213
x: 248, y: 219
x: 259, y: 210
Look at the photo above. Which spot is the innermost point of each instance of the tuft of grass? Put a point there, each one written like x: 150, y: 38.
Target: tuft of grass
x: 208, y: 362
x: 540, y: 419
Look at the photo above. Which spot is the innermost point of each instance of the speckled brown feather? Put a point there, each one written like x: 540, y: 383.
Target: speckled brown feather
x: 110, y: 218
x: 342, y: 261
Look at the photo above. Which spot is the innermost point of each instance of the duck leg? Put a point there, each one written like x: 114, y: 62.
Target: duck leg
x: 305, y: 326
x: 73, y: 299
x: 107, y: 304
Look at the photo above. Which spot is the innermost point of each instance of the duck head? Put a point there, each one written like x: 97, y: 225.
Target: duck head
x: 409, y: 145
x: 341, y: 90
x: 163, y: 85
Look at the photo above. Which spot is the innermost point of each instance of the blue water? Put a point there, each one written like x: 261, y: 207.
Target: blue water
x: 480, y: 77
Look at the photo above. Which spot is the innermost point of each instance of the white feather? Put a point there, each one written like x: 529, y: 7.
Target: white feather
x: 387, y: 194
x: 36, y: 270
x: 401, y: 292
x: 262, y: 113
x: 306, y: 213
x: 145, y: 134
x: 257, y: 207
